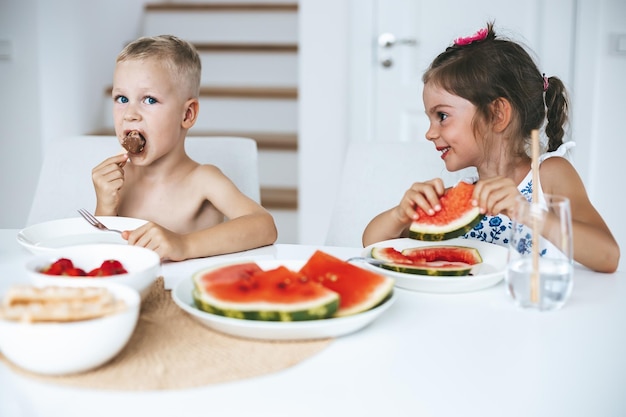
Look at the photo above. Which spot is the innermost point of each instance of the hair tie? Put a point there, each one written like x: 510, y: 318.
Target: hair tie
x: 546, y: 84
x: 481, y: 35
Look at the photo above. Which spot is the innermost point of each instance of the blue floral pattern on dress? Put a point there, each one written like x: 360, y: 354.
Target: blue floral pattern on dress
x: 497, y: 229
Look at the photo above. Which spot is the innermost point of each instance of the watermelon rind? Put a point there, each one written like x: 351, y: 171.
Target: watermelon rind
x: 314, y: 310
x: 421, y: 230
x: 381, y: 293
x: 449, y: 271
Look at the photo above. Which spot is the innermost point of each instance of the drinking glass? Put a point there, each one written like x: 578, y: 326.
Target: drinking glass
x: 541, y: 281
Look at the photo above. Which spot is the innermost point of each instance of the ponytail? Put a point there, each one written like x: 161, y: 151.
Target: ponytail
x: 556, y: 112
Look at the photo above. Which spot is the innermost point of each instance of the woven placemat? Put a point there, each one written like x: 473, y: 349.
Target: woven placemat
x: 170, y: 350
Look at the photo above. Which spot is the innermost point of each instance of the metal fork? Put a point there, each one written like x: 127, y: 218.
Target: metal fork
x: 91, y: 219
x: 372, y: 261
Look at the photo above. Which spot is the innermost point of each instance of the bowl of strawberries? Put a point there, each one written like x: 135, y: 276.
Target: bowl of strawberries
x: 133, y: 266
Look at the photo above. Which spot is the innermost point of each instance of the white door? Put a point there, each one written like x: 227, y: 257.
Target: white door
x: 393, y: 110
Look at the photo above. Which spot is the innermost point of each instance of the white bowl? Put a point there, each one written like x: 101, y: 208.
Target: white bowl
x: 46, y: 237
x: 143, y: 265
x: 70, y: 347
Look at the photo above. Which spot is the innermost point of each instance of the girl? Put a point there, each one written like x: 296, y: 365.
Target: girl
x: 483, y: 96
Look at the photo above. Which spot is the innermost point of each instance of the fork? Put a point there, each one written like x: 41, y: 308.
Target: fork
x: 91, y: 219
x: 372, y: 261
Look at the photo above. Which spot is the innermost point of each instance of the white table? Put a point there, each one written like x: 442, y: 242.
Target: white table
x: 470, y: 354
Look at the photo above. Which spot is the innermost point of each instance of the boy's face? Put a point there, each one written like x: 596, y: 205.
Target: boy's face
x: 146, y: 98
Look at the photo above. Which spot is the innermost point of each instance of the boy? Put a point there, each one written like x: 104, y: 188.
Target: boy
x: 155, y: 91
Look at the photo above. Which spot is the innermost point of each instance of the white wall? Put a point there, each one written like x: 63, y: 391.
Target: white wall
x: 599, y: 109
x: 53, y: 84
x: 20, y: 114
x: 323, y: 112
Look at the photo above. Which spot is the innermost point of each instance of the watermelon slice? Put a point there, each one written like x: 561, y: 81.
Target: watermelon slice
x: 245, y: 291
x: 429, y: 260
x: 359, y: 289
x: 456, y: 217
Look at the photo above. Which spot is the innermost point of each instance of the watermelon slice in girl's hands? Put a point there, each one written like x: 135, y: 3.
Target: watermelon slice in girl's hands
x: 456, y: 217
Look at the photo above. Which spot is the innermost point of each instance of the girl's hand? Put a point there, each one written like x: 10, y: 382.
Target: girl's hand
x: 108, y: 179
x: 421, y: 194
x: 496, y: 196
x: 167, y: 244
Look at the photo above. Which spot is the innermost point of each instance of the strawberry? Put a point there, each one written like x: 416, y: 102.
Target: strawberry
x: 75, y: 272
x: 58, y: 267
x: 112, y: 267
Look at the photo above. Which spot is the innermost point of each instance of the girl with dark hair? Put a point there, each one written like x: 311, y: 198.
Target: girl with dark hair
x: 484, y: 95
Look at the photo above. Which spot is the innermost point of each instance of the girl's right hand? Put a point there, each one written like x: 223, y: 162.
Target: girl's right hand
x: 108, y: 179
x: 421, y: 194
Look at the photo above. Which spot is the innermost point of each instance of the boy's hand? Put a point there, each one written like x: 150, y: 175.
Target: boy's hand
x: 167, y: 244
x: 108, y: 179
x: 496, y: 195
x: 421, y: 194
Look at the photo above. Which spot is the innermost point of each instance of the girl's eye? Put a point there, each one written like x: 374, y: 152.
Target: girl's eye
x: 442, y: 116
x: 150, y: 100
x: 121, y: 99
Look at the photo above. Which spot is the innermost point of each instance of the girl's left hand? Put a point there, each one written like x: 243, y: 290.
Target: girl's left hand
x: 496, y: 196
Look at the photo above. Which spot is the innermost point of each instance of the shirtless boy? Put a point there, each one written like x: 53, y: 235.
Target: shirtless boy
x: 192, y: 210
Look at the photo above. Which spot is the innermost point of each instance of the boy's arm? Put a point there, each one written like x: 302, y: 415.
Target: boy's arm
x: 248, y: 224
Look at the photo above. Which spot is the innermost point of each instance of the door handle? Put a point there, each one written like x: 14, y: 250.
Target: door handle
x: 388, y: 40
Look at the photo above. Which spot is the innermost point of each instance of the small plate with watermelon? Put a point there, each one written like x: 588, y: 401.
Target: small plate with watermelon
x: 319, y: 298
x: 452, y: 266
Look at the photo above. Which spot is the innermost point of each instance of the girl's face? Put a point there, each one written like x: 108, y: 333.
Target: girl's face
x: 451, y: 129
x: 146, y: 98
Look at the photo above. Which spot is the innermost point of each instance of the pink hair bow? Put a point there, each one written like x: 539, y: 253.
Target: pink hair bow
x: 481, y: 35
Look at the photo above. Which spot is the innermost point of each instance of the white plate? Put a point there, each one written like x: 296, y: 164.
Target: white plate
x: 273, y: 330
x: 42, y: 238
x: 491, y: 271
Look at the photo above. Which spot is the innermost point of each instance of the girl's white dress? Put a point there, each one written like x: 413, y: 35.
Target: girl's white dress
x: 497, y: 229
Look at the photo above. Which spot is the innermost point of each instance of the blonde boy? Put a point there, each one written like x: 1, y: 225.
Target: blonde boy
x: 155, y: 92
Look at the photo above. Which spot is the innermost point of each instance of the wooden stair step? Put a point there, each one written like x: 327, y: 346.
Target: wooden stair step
x: 279, y: 198
x: 250, y: 92
x: 245, y: 47
x: 216, y: 7
x: 281, y: 93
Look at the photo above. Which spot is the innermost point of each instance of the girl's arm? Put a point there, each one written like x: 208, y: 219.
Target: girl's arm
x: 594, y: 245
x: 395, y: 222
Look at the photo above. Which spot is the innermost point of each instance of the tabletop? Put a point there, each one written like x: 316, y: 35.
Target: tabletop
x: 465, y: 354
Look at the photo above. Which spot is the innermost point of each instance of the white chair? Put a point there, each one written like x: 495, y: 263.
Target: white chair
x: 65, y: 179
x: 375, y: 177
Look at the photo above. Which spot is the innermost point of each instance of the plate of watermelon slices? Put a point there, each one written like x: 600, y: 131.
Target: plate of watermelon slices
x: 479, y: 276
x: 186, y: 297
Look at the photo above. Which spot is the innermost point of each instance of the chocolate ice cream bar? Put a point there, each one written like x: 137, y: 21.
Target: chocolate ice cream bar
x: 133, y: 142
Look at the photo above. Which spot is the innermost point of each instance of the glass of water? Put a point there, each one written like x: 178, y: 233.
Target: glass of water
x: 541, y: 281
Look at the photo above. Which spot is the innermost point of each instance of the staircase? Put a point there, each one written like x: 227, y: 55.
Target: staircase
x: 249, y: 55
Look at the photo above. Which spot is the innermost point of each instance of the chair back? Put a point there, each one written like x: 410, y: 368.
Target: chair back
x: 375, y: 177
x: 65, y: 183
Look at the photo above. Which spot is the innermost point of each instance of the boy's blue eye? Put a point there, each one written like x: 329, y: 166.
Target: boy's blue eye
x: 150, y: 100
x: 121, y: 99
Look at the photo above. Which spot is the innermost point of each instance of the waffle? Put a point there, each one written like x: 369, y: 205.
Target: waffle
x: 58, y: 304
